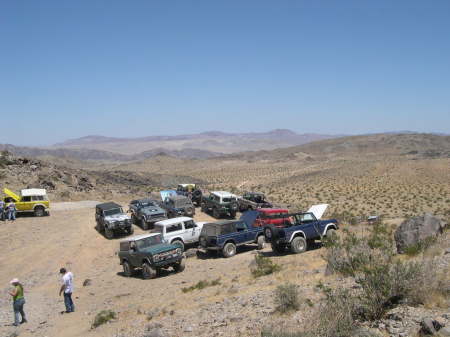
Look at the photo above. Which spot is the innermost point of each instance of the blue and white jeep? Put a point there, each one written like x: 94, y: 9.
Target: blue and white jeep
x: 226, y: 236
x: 300, y: 231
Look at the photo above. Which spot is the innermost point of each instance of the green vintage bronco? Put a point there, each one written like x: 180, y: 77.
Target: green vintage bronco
x: 151, y: 254
x: 220, y: 203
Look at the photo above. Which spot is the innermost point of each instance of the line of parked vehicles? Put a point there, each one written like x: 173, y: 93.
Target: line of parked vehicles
x: 173, y: 227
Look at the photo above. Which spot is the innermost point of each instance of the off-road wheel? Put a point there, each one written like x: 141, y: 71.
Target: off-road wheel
x: 229, y: 250
x: 331, y: 234
x: 179, y: 267
x: 190, y: 212
x: 39, y: 211
x: 148, y: 271
x: 127, y: 269
x: 134, y: 220
x: 203, y: 207
x: 178, y: 243
x: 277, y: 248
x: 233, y: 214
x: 130, y: 230
x: 216, y: 213
x: 269, y: 234
x: 298, y: 245
x: 261, y: 242
x: 109, y: 233
x: 144, y: 224
x: 98, y: 227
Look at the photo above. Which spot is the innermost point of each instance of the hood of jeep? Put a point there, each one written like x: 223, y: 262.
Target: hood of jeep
x: 117, y: 217
x: 159, y: 248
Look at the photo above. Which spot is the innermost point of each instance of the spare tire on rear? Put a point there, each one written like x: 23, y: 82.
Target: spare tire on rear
x: 271, y: 233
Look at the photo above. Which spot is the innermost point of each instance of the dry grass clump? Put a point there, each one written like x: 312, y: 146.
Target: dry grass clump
x: 264, y: 266
x: 287, y: 298
x: 201, y: 285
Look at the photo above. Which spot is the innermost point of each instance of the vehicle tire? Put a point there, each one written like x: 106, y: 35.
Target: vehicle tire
x: 229, y: 250
x: 179, y: 267
x: 130, y: 230
x: 298, y: 245
x: 331, y: 233
x: 216, y: 213
x: 148, y: 272
x: 203, y: 207
x: 178, y: 243
x: 127, y: 269
x: 190, y: 211
x: 233, y: 214
x: 277, y: 248
x: 39, y: 211
x: 269, y: 233
x: 144, y: 224
x: 109, y: 233
x: 261, y: 242
x: 234, y: 206
x: 134, y: 220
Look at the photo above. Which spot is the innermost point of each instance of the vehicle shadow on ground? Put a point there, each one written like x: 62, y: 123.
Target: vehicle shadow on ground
x: 214, y: 254
x: 138, y: 274
x: 271, y: 253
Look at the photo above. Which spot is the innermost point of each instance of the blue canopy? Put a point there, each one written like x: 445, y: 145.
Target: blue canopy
x: 167, y: 193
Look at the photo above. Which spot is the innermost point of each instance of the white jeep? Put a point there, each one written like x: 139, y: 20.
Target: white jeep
x: 180, y: 231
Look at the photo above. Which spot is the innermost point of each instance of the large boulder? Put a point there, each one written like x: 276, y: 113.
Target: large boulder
x: 415, y: 230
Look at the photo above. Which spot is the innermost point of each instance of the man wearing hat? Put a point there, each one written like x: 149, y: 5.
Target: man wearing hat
x: 18, y: 302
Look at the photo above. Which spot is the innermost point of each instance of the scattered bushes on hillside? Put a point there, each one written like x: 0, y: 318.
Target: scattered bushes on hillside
x: 264, y: 266
x: 286, y: 298
x: 103, y: 317
x: 384, y: 279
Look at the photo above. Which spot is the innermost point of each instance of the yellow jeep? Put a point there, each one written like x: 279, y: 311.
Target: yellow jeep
x: 33, y: 200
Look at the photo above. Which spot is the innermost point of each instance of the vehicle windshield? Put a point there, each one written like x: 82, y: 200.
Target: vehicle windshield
x: 113, y: 211
x: 228, y: 199
x: 147, y: 203
x: 148, y: 242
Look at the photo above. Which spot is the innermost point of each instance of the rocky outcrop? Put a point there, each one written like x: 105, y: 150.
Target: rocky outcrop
x: 415, y: 230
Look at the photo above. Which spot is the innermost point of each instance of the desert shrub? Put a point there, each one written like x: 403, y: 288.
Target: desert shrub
x: 286, y: 298
x: 384, y: 280
x: 103, y: 317
x: 420, y: 246
x: 201, y: 285
x: 264, y: 266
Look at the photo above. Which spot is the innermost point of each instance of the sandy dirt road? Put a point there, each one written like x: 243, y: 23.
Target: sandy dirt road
x: 33, y: 249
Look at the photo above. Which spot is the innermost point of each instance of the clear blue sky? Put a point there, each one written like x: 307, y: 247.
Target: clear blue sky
x: 136, y: 68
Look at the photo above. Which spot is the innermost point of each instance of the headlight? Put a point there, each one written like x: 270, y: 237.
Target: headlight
x: 156, y: 257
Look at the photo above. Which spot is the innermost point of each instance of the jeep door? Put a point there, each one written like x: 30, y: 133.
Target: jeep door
x: 191, y: 231
x: 244, y: 235
x: 25, y: 204
x: 134, y: 258
x: 174, y: 230
x: 309, y: 225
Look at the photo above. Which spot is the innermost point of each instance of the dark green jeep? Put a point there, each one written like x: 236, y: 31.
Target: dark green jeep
x: 151, y: 254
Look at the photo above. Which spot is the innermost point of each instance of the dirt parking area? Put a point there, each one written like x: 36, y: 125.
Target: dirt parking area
x: 33, y: 250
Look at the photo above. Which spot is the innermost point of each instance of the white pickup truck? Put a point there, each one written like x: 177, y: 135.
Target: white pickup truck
x: 180, y: 231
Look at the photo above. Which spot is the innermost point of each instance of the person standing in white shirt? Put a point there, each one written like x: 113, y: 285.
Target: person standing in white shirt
x: 67, y: 289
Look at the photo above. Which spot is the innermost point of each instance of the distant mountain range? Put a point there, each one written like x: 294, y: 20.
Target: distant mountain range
x: 195, y: 146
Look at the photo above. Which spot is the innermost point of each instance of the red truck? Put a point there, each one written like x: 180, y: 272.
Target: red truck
x: 265, y: 216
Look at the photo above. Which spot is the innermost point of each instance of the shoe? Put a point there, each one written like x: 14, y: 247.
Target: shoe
x: 14, y: 324
x: 23, y: 321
